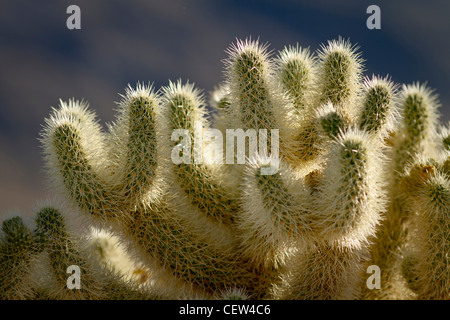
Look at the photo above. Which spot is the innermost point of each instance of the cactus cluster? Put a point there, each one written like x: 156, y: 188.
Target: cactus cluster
x: 340, y: 171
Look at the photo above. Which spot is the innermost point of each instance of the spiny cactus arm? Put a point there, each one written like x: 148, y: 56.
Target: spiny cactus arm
x: 342, y: 203
x: 417, y: 134
x: 330, y: 122
x: 136, y: 134
x: 274, y: 212
x: 253, y: 96
x: 63, y: 254
x: 379, y: 112
x: 19, y: 248
x: 184, y: 109
x: 348, y: 199
x: 337, y: 83
x: 428, y: 190
x: 414, y: 137
x: 339, y: 76
x: 74, y: 155
x: 295, y: 70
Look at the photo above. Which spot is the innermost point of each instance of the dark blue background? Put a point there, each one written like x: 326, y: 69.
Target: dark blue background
x: 125, y: 42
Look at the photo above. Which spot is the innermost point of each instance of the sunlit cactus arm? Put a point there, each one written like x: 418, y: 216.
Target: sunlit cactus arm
x: 337, y: 212
x: 414, y: 137
x: 275, y: 212
x: 19, y: 249
x: 428, y: 192
x: 253, y: 95
x: 379, y: 112
x: 349, y: 198
x: 347, y: 201
x: 203, y: 184
x: 136, y: 143
x: 76, y: 161
x: 296, y: 72
x: 337, y: 82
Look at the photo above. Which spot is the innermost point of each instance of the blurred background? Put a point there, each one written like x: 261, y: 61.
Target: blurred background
x: 122, y: 42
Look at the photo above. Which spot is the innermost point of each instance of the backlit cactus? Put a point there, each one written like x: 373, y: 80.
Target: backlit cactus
x: 331, y: 180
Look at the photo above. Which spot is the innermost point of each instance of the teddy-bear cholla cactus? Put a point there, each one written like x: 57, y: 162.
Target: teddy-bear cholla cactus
x: 210, y: 230
x: 162, y: 210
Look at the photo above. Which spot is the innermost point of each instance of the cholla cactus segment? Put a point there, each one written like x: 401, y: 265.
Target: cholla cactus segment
x: 417, y: 133
x: 415, y: 137
x: 63, y: 253
x: 428, y: 189
x: 295, y: 69
x: 379, y: 111
x: 66, y: 253
x: 184, y: 107
x: 274, y: 214
x: 337, y: 83
x: 19, y: 248
x: 74, y: 149
x: 339, y: 77
x: 113, y: 254
x: 331, y: 122
x: 137, y: 137
x: 350, y: 199
x: 255, y: 101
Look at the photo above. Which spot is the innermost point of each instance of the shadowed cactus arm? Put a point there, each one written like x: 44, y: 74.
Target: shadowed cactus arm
x: 187, y: 265
x: 428, y: 190
x: 63, y: 253
x: 65, y: 250
x: 414, y: 137
x: 19, y: 248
